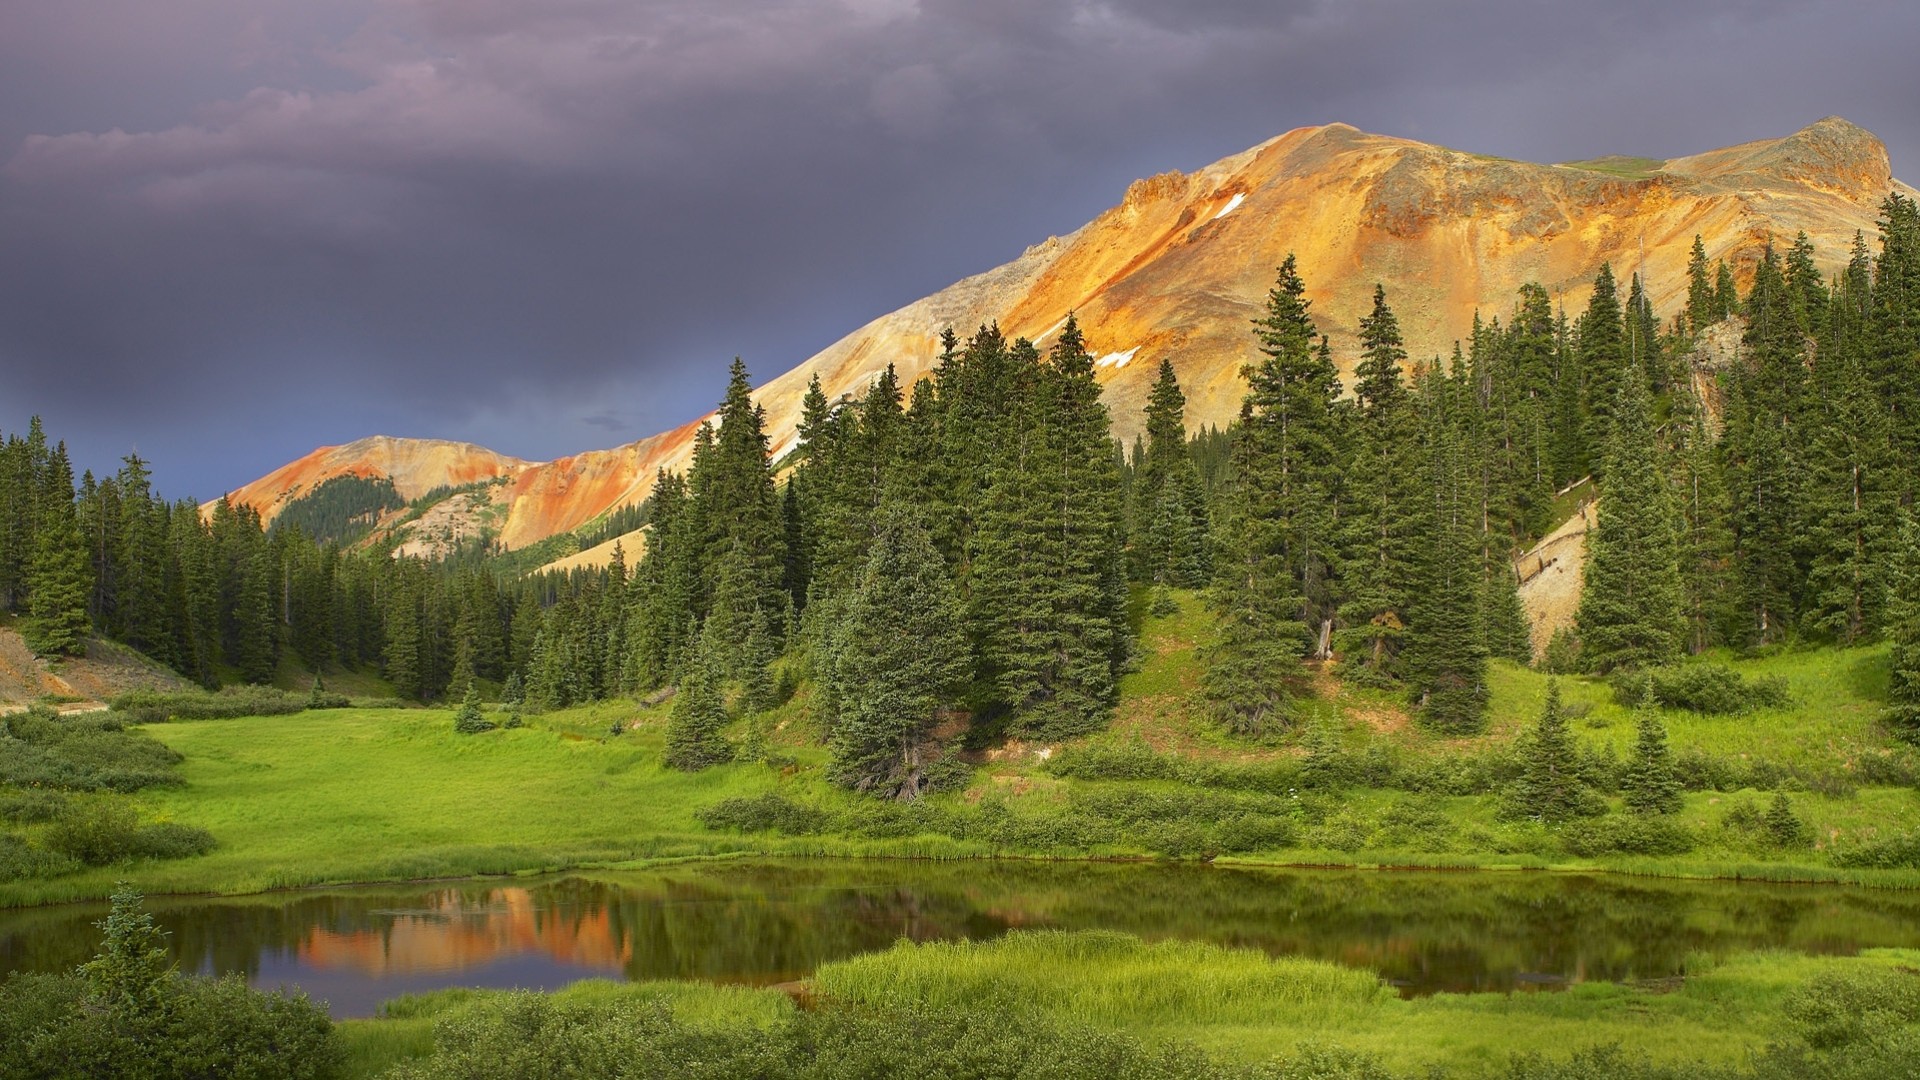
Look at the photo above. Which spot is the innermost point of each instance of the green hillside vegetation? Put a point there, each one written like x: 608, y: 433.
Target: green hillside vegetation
x: 1625, y: 166
x: 1099, y: 1004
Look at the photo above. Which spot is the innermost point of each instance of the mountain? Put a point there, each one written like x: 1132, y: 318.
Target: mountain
x: 1181, y: 265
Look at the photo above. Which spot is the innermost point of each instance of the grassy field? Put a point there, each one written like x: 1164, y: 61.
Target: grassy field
x: 375, y: 795
x: 1238, y: 1006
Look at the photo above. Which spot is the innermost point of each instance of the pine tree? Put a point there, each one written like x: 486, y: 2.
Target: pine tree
x: 1784, y: 827
x: 738, y: 511
x: 1603, y: 356
x: 468, y: 719
x: 1764, y: 449
x: 1726, y: 298
x: 1650, y: 784
x: 1383, y: 552
x: 1903, y: 626
x: 1170, y: 518
x: 1272, y: 573
x: 1702, y: 310
x: 900, y: 657
x: 1446, y: 659
x: 1630, y: 601
x: 1706, y: 544
x: 1507, y: 627
x: 696, y: 735
x: 1552, y: 787
x: 131, y: 973
x: 58, y: 577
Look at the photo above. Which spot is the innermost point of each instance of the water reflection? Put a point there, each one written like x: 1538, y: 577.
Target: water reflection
x: 772, y: 922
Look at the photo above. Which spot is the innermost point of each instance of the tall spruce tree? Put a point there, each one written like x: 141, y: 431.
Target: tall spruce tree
x: 1446, y: 658
x: 1701, y: 309
x: 1764, y: 450
x: 58, y: 577
x: 1383, y: 556
x: 1602, y: 345
x: 1272, y: 579
x: 1170, y: 512
x: 901, y: 656
x: 1903, y: 626
x: 696, y: 735
x: 1630, y: 601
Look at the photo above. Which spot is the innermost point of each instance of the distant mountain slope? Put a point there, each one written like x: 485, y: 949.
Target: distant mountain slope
x: 1180, y: 266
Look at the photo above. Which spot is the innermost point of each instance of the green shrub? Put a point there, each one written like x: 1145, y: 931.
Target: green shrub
x: 96, y: 832
x: 1899, y: 852
x: 764, y: 813
x: 1701, y: 688
x: 30, y: 806
x: 1128, y: 761
x: 19, y: 862
x: 160, y: 706
x: 91, y: 752
x: 1626, y: 834
x: 1598, y: 1063
x: 171, y: 840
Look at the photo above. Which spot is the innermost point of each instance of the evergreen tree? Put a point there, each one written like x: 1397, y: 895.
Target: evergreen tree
x: 1384, y: 546
x: 1272, y: 574
x: 1603, y: 356
x: 1630, y: 602
x: 58, y: 577
x: 1702, y: 310
x: 1507, y: 626
x: 739, y: 513
x: 468, y: 719
x: 1726, y: 298
x: 1170, y: 532
x: 1552, y: 786
x: 1784, y: 827
x: 696, y: 735
x: 1764, y: 451
x: 1903, y: 626
x: 1706, y: 544
x: 1650, y: 784
x: 1446, y: 659
x: 900, y: 657
x: 1047, y: 577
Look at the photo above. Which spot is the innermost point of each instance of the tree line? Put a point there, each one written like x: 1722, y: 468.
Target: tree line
x: 961, y: 555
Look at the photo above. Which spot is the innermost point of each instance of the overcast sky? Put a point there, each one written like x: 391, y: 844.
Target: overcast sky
x: 234, y: 230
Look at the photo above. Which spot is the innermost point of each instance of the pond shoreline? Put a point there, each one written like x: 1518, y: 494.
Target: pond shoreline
x: 1765, y: 873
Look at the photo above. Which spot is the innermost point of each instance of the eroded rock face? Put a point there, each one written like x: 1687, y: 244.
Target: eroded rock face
x: 1181, y: 265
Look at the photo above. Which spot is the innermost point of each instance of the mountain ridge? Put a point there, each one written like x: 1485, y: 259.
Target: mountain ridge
x: 1180, y: 265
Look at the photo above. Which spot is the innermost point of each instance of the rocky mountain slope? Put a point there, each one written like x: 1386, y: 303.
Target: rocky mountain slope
x: 1178, y: 268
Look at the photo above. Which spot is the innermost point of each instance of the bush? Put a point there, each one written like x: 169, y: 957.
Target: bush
x: 198, y: 1028
x: 1129, y: 761
x: 1701, y: 688
x: 31, y: 806
x: 1626, y: 834
x: 171, y: 840
x: 96, y: 832
x: 763, y: 813
x: 1900, y: 852
x: 81, y: 753
x: 19, y: 862
x: 160, y: 706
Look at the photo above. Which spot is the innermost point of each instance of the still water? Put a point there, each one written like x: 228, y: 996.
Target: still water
x: 765, y: 923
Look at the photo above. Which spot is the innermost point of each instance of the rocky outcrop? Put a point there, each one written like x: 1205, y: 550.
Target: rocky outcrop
x: 1180, y: 266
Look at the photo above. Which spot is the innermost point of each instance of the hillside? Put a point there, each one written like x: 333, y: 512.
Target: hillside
x: 106, y: 670
x: 1180, y: 265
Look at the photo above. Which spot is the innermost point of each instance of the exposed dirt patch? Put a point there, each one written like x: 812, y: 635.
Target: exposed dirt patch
x: 105, y: 671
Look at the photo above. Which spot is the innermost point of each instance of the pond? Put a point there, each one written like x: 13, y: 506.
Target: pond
x: 772, y: 922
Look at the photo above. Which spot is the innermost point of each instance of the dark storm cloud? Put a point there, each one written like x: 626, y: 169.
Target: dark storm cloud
x: 233, y: 229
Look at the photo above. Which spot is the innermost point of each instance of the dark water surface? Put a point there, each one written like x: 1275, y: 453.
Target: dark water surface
x: 776, y: 921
